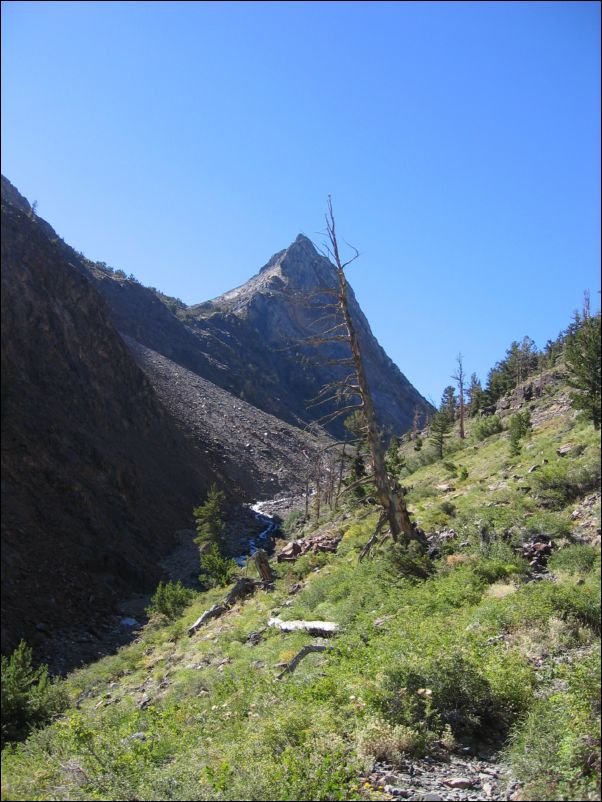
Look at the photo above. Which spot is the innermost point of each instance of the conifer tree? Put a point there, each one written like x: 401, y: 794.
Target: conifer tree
x: 208, y: 517
x: 582, y: 355
x: 448, y: 403
x: 440, y: 428
x: 476, y: 396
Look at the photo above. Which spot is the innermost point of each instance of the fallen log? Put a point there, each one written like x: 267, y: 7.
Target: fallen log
x: 312, y: 647
x: 320, y: 628
x: 243, y: 587
x: 213, y: 612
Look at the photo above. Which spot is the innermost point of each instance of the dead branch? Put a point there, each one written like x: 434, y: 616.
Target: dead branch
x: 311, y: 647
x: 381, y: 522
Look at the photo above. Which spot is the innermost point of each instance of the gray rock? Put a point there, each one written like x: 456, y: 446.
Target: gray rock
x: 400, y: 793
x: 461, y: 782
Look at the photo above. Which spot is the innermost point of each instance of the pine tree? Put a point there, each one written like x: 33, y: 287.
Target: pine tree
x: 448, y: 403
x: 440, y: 428
x: 582, y: 355
x: 208, y: 517
x: 476, y: 396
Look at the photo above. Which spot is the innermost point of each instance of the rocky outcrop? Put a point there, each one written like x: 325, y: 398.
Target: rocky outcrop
x: 284, y: 304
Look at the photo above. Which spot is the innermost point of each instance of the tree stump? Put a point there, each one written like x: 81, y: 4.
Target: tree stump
x: 263, y: 566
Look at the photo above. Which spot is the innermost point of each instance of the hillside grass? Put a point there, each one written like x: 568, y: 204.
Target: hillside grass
x: 469, y: 652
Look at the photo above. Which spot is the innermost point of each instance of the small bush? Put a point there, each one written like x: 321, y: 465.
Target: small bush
x: 448, y: 508
x: 555, y: 752
x: 457, y: 692
x: 575, y: 559
x: 492, y: 570
x: 29, y: 697
x: 447, y: 690
x: 486, y: 427
x: 559, y: 483
x: 216, y: 570
x: 409, y: 561
x: 389, y: 743
x: 450, y: 468
x: 170, y: 599
x: 518, y: 428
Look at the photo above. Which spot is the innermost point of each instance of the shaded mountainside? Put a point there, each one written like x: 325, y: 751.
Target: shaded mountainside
x: 252, y: 341
x: 96, y: 477
x: 102, y: 464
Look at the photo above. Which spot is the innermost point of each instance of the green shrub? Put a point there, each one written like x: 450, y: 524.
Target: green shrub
x: 388, y: 743
x: 408, y: 561
x: 578, y: 559
x: 518, y: 428
x: 555, y: 752
x: 448, y: 690
x: 448, y: 508
x: 560, y: 483
x: 486, y: 427
x: 293, y: 522
x: 492, y: 570
x: 170, y: 599
x: 29, y: 697
x: 217, y: 570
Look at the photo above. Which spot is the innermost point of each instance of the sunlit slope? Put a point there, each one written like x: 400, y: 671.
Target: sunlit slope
x: 457, y: 659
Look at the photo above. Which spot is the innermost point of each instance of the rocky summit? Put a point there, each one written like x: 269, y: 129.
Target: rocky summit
x: 254, y: 341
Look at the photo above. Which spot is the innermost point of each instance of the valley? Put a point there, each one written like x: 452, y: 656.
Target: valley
x: 459, y: 664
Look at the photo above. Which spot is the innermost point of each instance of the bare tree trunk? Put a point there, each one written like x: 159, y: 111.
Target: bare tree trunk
x: 415, y: 423
x: 388, y: 490
x: 459, y: 377
x: 340, y: 478
x: 318, y: 488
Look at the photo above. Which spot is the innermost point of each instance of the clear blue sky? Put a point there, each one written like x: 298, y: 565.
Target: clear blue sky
x: 187, y: 142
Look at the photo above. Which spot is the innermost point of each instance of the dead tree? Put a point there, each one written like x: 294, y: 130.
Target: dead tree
x: 459, y: 377
x: 263, y: 566
x: 353, y: 392
x: 415, y: 423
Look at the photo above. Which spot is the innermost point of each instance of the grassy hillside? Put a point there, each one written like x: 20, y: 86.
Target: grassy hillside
x: 475, y: 656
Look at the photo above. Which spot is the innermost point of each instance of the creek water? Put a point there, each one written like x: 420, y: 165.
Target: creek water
x: 263, y: 540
